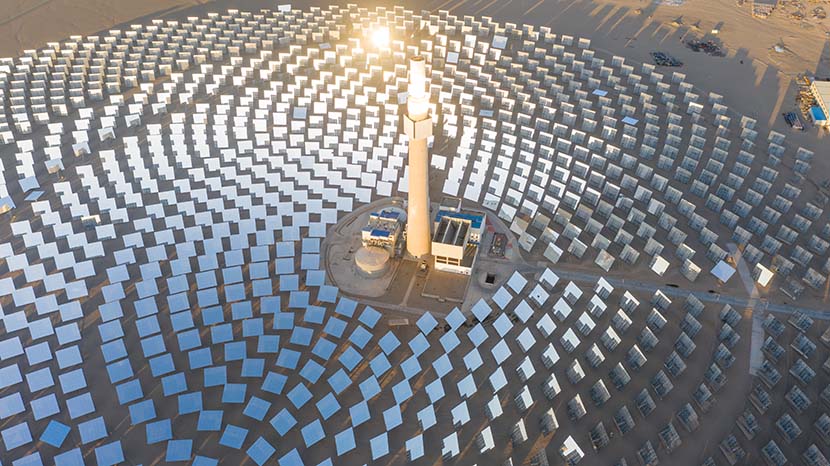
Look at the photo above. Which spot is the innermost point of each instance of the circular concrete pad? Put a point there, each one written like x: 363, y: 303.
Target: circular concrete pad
x: 372, y: 260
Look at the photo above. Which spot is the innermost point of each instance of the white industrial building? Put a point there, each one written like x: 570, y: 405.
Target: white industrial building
x: 383, y: 229
x: 820, y: 114
x: 456, y: 240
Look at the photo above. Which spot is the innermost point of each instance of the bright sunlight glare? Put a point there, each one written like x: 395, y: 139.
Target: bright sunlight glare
x: 380, y: 37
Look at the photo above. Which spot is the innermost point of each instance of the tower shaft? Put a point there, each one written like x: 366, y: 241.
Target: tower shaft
x: 418, y: 127
x: 417, y: 213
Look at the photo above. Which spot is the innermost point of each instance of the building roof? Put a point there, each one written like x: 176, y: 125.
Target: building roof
x: 476, y: 220
x: 822, y: 91
x: 382, y: 223
x: 388, y: 214
x: 451, y: 203
x: 451, y: 231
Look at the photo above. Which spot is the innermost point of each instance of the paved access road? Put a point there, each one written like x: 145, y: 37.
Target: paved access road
x: 705, y: 296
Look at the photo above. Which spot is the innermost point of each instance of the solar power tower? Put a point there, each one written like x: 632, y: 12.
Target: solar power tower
x: 418, y: 127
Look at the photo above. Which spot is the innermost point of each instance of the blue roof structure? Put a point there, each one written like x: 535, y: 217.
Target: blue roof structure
x: 476, y: 220
x: 388, y: 214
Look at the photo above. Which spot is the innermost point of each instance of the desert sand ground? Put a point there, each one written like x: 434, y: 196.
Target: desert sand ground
x: 755, y: 80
